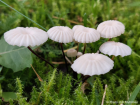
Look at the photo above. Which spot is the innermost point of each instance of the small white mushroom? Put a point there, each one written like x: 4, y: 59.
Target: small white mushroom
x: 61, y: 34
x: 76, y: 27
x: 115, y: 48
x: 92, y: 64
x: 86, y: 35
x: 29, y: 36
x: 110, y: 28
x: 71, y: 53
x: 79, y: 54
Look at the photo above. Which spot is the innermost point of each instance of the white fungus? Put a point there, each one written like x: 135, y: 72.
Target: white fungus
x: 79, y: 54
x: 86, y: 35
x: 76, y: 27
x: 61, y: 34
x: 92, y: 64
x: 71, y: 53
x: 115, y: 48
x: 110, y: 28
x: 29, y: 36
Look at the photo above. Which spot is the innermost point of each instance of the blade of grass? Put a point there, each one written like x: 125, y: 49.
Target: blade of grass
x: 134, y: 94
x: 22, y: 15
x: 108, y: 9
x: 85, y: 19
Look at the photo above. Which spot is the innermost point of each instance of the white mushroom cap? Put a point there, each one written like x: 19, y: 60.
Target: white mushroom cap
x: 71, y: 53
x: 29, y: 36
x: 76, y: 27
x: 61, y: 34
x: 115, y: 48
x: 92, y: 64
x: 79, y: 54
x: 86, y: 35
x: 110, y: 28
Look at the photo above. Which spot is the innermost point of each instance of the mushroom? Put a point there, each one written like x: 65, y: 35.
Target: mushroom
x: 110, y: 28
x: 76, y: 27
x: 86, y: 35
x: 61, y: 34
x: 29, y: 36
x: 92, y: 64
x: 115, y: 48
x: 79, y: 54
x: 71, y: 53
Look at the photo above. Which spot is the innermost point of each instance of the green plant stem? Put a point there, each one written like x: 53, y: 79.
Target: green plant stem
x: 84, y: 48
x: 64, y: 57
x: 40, y: 56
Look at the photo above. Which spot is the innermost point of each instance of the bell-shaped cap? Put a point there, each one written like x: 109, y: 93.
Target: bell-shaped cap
x: 76, y: 27
x: 71, y: 53
x: 61, y: 34
x: 92, y: 64
x: 110, y: 28
x: 79, y: 54
x: 115, y: 48
x: 86, y: 35
x: 29, y: 36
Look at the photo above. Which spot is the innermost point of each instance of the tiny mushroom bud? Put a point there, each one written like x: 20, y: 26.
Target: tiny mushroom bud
x: 115, y: 48
x: 110, y: 28
x: 79, y: 54
x: 92, y: 64
x: 71, y: 53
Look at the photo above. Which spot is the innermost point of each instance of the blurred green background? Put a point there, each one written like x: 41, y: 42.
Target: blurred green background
x: 49, y: 13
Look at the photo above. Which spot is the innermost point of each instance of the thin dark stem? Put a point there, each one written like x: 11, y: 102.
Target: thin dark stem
x: 84, y: 48
x: 109, y: 39
x: 77, y: 49
x: 40, y: 57
x: 64, y: 56
x: 84, y: 79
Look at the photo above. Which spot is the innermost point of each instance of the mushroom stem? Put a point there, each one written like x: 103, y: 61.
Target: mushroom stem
x: 40, y: 56
x: 109, y: 39
x: 78, y: 47
x: 113, y: 57
x: 64, y: 56
x: 84, y: 48
x: 84, y: 79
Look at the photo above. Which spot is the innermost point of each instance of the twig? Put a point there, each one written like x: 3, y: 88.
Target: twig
x: 68, y: 60
x: 113, y: 57
x: 104, y: 95
x: 70, y: 48
x: 40, y: 79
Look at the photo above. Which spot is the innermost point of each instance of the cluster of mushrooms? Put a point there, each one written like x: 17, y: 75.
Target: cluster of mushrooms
x: 86, y: 64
